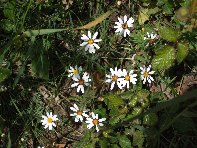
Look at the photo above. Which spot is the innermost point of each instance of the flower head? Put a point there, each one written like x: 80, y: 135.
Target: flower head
x: 94, y: 121
x: 146, y: 74
x: 79, y: 114
x: 81, y: 82
x: 150, y: 37
x: 48, y: 120
x: 74, y: 72
x: 90, y: 42
x: 123, y: 25
x: 128, y: 77
x: 114, y: 78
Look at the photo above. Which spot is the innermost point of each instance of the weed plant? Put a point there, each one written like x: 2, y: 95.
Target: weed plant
x: 98, y: 73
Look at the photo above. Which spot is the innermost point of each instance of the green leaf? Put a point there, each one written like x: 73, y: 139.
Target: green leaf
x: 164, y: 58
x: 40, y: 66
x: 143, y: 16
x: 112, y: 101
x: 124, y: 142
x: 150, y: 119
x: 4, y: 73
x: 103, y: 142
x: 182, y: 52
x: 138, y: 138
x: 9, y: 10
x: 169, y: 34
x: 116, y: 119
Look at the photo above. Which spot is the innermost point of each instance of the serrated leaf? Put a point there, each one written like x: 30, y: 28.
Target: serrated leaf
x: 182, y: 52
x: 116, y: 119
x: 9, y: 10
x: 124, y: 142
x: 112, y: 101
x: 164, y: 58
x: 4, y: 73
x: 169, y: 34
x: 143, y: 16
x: 153, y: 11
x: 138, y: 138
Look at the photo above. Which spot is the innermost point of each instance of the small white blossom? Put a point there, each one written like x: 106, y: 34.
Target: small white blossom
x: 90, y: 42
x: 128, y: 77
x: 150, y: 37
x: 79, y: 114
x: 94, y: 121
x: 48, y: 120
x: 123, y: 25
x: 81, y: 82
x: 146, y: 74
x: 114, y: 78
x: 74, y: 72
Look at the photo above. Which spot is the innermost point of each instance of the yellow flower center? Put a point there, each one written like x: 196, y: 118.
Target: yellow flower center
x: 151, y: 41
x: 124, y: 26
x: 95, y: 121
x: 75, y: 71
x: 127, y: 77
x: 81, y: 82
x: 79, y: 112
x: 114, y: 78
x: 145, y: 74
x: 49, y: 120
x: 90, y: 41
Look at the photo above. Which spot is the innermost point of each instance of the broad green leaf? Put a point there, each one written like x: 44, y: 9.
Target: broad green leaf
x: 124, y: 141
x: 136, y: 111
x: 153, y: 11
x: 40, y: 66
x: 116, y: 119
x: 164, y: 58
x: 138, y: 138
x: 9, y: 10
x: 143, y: 16
x: 4, y: 73
x: 103, y: 142
x: 169, y: 34
x: 112, y: 100
x: 182, y: 52
x: 150, y: 119
x: 7, y: 25
x: 133, y: 101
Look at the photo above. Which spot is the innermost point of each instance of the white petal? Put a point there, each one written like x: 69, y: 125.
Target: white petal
x: 84, y: 43
x: 84, y: 37
x: 50, y: 127
x: 112, y: 85
x: 125, y: 19
x: 75, y: 84
x: 120, y: 20
x: 97, y: 40
x: 102, y: 119
x: 89, y: 126
x: 76, y: 119
x: 97, y: 129
x: 101, y: 124
x: 95, y: 45
x: 87, y: 47
x: 95, y: 35
x: 91, y: 49
x: 89, y: 35
x: 77, y: 108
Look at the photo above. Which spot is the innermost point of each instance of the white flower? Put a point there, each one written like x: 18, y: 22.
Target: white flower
x: 146, y: 74
x: 81, y: 82
x: 79, y: 114
x: 40, y: 147
x: 94, y: 121
x: 48, y: 120
x: 151, y: 37
x: 122, y: 26
x: 90, y: 42
x: 114, y: 78
x: 74, y: 72
x: 128, y: 77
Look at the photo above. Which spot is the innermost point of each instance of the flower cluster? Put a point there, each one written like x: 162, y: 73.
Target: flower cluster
x: 91, y: 121
x: 80, y: 82
x: 123, y: 78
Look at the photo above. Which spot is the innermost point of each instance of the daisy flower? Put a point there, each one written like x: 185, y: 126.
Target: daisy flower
x: 74, y: 72
x: 114, y: 78
x: 48, y: 120
x: 123, y: 25
x: 128, y: 77
x: 90, y: 42
x: 81, y: 82
x: 151, y: 37
x: 146, y: 74
x: 94, y: 121
x: 79, y: 114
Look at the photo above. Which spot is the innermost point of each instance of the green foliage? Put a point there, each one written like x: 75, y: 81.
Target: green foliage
x: 182, y: 52
x: 169, y: 34
x: 164, y: 58
x: 124, y: 141
x: 138, y: 138
x: 4, y: 73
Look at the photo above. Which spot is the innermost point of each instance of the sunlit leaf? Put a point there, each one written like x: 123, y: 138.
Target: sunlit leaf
x: 4, y: 73
x: 143, y: 16
x: 150, y: 119
x: 138, y: 138
x: 169, y: 34
x: 182, y: 52
x: 124, y: 141
x: 164, y: 58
